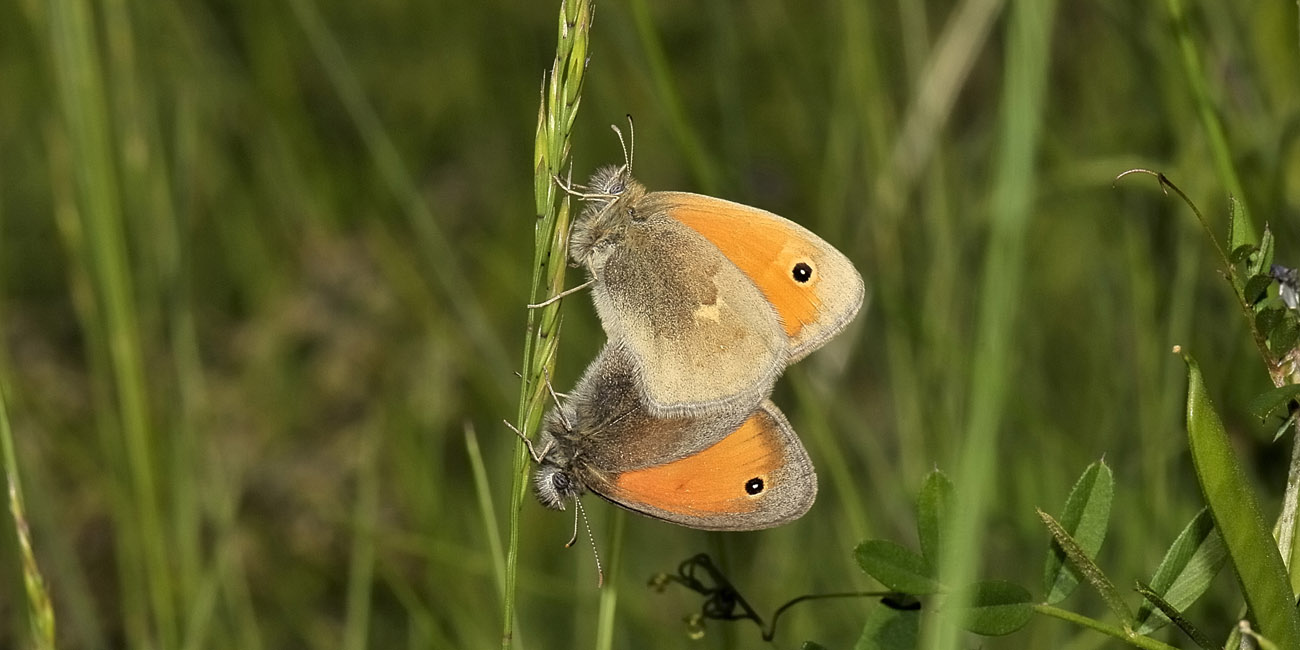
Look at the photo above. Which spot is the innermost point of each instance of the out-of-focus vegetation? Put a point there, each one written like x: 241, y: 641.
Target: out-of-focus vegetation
x: 263, y: 269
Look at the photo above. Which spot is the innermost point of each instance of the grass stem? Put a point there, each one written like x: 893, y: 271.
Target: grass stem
x: 40, y: 612
x: 1029, y: 45
x: 561, y: 97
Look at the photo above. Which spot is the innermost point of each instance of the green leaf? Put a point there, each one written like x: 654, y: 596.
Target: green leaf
x: 1267, y: 319
x: 1238, y: 517
x: 1263, y: 259
x: 1087, y: 510
x: 932, y: 512
x: 1282, y: 338
x: 888, y: 628
x: 1189, y: 565
x: 1285, y: 427
x: 1234, y: 638
x: 1082, y: 562
x: 896, y: 567
x: 998, y: 607
x: 1263, y: 405
x: 812, y: 645
x: 1257, y: 288
x: 1171, y: 613
x: 1240, y: 230
x: 1241, y: 253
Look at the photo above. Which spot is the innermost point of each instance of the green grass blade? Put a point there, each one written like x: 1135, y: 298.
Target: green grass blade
x: 444, y: 258
x: 1243, y: 229
x: 1086, y: 516
x: 1191, y: 562
x: 1029, y: 37
x: 487, y: 510
x: 688, y: 139
x: 965, y: 34
x: 361, y: 565
x: 1238, y: 517
x: 609, y: 591
x: 85, y: 113
x: 40, y: 612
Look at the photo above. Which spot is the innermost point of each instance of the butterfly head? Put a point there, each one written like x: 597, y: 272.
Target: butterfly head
x: 610, y: 208
x: 555, y: 481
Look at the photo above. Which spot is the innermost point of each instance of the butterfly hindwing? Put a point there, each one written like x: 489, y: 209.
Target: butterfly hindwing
x: 757, y: 476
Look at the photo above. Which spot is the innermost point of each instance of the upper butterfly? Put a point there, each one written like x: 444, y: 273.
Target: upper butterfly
x: 713, y: 299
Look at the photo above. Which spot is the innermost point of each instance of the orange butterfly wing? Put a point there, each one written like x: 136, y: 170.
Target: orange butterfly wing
x: 758, y: 476
x: 815, y: 301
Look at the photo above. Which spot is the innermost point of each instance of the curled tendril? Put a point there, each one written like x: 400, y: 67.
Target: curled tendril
x: 723, y: 602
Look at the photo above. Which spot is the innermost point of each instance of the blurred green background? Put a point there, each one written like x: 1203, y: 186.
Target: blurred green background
x: 264, y: 267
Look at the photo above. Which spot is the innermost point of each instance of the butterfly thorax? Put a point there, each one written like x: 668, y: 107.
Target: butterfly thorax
x: 611, y: 197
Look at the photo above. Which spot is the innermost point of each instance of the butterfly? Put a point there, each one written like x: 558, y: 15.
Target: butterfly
x: 712, y: 299
x: 729, y: 471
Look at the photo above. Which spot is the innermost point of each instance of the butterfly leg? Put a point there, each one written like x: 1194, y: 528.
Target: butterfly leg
x: 562, y: 294
x: 537, y: 458
x: 575, y: 190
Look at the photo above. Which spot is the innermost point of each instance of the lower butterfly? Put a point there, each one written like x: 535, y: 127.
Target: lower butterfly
x: 731, y: 470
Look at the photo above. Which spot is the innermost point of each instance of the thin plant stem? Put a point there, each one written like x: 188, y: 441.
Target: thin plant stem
x: 486, y: 508
x: 40, y: 612
x: 365, y: 517
x: 1123, y: 634
x: 561, y: 96
x: 609, y: 594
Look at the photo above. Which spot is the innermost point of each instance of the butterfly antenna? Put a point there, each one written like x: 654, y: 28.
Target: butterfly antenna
x: 631, y: 141
x: 627, y: 150
x: 600, y: 573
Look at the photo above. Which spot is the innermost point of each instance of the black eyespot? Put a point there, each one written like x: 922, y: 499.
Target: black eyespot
x: 560, y: 481
x: 753, y: 486
x: 802, y: 272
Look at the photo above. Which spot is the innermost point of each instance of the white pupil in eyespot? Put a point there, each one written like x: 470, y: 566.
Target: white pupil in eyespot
x: 802, y: 272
